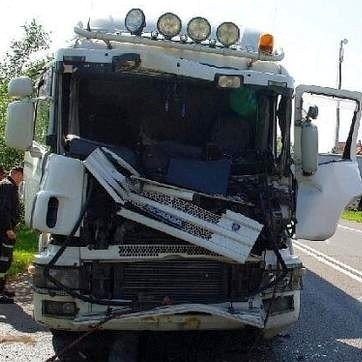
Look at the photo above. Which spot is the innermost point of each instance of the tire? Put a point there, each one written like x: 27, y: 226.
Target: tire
x: 124, y: 348
x: 92, y: 348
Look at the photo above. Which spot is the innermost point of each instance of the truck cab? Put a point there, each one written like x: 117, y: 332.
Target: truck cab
x: 164, y: 186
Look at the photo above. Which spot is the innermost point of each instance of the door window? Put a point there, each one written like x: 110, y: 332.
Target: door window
x: 42, y: 108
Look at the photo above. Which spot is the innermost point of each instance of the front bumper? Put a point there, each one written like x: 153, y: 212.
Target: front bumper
x: 222, y: 316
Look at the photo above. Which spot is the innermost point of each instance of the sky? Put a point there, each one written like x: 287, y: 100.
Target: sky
x: 309, y: 31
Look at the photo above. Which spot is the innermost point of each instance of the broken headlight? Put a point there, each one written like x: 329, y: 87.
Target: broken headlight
x: 68, y: 276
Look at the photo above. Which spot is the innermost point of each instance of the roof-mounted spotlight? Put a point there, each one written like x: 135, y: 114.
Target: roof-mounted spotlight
x: 228, y: 34
x: 198, y: 29
x: 169, y: 25
x: 135, y: 21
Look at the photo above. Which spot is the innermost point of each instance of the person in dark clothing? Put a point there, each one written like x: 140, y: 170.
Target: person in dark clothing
x: 2, y: 173
x: 9, y: 218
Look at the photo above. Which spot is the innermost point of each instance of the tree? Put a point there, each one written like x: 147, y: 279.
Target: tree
x: 20, y: 60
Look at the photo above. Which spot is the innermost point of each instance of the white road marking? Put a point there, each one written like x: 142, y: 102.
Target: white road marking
x: 349, y: 228
x: 333, y: 263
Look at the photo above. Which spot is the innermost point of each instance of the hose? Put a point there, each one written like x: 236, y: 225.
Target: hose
x: 268, y: 220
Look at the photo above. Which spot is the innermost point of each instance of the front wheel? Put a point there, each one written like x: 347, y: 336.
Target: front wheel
x: 124, y: 348
x: 94, y: 347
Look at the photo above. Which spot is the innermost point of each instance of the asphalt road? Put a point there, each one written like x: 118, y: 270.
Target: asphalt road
x: 329, y: 329
x: 330, y: 325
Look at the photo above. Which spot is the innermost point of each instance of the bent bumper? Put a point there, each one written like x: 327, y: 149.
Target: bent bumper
x: 223, y: 316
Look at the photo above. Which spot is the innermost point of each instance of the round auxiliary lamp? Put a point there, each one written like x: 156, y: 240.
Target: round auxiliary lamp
x: 169, y: 25
x: 135, y: 21
x: 198, y: 29
x: 228, y: 34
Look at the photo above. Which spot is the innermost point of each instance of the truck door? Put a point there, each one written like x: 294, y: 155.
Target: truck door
x: 35, y: 158
x: 334, y: 183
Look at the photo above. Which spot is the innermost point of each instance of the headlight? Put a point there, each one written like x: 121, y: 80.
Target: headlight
x: 198, y: 29
x: 169, y: 25
x: 68, y: 276
x: 227, y: 33
x: 135, y: 21
x: 55, y: 308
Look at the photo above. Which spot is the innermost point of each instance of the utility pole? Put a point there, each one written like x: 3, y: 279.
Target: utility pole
x: 339, y: 86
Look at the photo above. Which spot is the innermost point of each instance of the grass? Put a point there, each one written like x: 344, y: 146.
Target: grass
x: 26, y: 246
x: 352, y: 215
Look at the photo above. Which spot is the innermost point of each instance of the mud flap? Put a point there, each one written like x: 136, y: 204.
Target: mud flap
x: 231, y: 234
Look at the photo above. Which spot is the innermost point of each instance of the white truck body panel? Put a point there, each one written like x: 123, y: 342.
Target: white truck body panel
x: 64, y: 180
x: 323, y: 196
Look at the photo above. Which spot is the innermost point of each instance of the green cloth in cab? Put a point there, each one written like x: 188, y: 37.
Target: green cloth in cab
x: 243, y: 102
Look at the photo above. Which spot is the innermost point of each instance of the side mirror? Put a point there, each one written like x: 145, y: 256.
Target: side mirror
x: 20, y: 87
x: 19, y: 129
x: 309, y: 147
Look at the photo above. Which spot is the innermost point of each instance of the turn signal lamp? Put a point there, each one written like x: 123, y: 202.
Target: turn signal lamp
x: 266, y: 43
x: 169, y: 25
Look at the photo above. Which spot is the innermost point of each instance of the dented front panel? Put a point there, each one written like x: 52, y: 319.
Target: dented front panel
x: 59, y: 201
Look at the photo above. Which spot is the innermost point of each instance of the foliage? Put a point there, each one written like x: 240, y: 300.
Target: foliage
x: 352, y: 215
x: 20, y: 60
x: 25, y: 247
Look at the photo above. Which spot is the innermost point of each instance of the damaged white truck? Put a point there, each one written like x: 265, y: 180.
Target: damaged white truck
x: 165, y: 188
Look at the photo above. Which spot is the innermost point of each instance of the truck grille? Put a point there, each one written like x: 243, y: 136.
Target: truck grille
x: 181, y: 281
x: 154, y: 251
x: 159, y: 283
x: 156, y: 283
